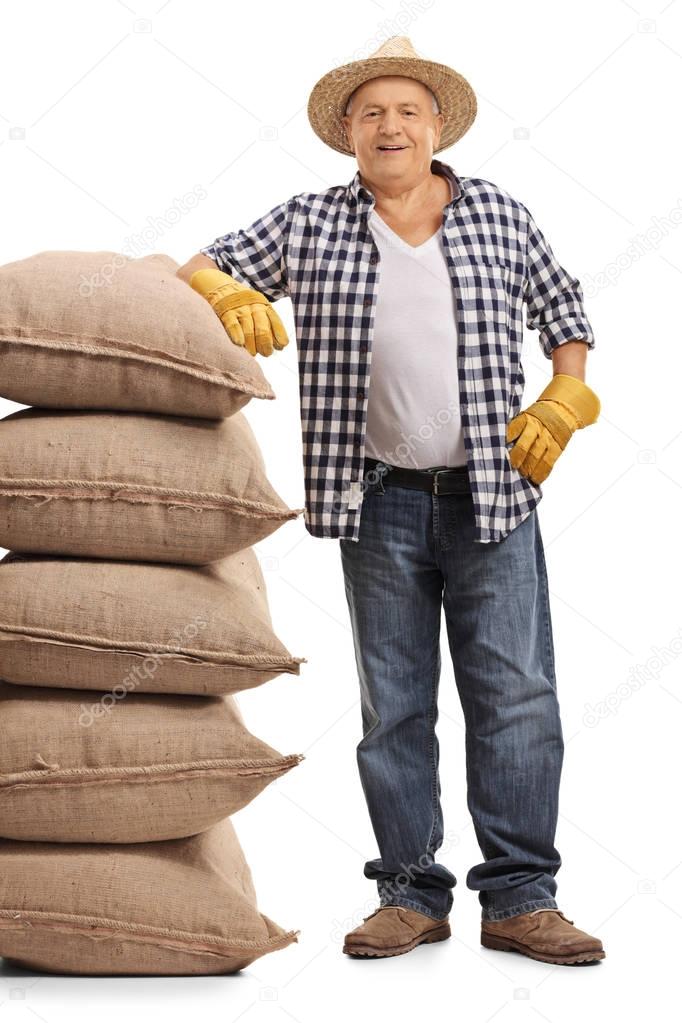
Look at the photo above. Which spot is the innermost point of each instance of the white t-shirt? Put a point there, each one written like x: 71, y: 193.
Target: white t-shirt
x: 413, y: 416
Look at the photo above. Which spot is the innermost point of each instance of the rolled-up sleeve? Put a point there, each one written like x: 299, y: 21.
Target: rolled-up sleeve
x: 256, y: 255
x: 554, y: 299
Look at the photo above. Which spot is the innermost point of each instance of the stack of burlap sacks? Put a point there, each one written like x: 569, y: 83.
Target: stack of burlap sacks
x: 132, y: 607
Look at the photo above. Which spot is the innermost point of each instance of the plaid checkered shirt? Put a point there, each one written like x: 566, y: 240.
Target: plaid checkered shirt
x: 317, y: 249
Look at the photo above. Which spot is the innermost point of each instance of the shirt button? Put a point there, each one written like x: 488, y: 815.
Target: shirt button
x: 363, y: 349
x: 361, y: 395
x: 367, y: 302
x: 373, y: 260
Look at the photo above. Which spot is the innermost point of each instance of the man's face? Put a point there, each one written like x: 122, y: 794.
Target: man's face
x: 392, y: 111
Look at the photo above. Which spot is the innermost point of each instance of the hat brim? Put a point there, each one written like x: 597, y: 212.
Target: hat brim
x: 328, y: 99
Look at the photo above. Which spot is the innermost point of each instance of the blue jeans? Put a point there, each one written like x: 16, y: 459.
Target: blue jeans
x: 415, y: 556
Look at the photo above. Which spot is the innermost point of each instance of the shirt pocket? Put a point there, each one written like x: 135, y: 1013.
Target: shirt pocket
x: 491, y: 294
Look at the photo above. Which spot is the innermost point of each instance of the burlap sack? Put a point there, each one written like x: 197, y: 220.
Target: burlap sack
x: 167, y: 908
x: 127, y: 626
x: 102, y: 331
x: 134, y: 486
x: 144, y: 769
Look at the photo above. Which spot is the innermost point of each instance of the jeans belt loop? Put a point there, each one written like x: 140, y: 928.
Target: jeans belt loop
x: 435, y: 480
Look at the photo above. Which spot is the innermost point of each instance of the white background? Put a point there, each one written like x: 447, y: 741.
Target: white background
x: 105, y: 120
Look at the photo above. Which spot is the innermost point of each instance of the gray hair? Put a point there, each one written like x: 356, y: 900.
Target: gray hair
x: 434, y: 101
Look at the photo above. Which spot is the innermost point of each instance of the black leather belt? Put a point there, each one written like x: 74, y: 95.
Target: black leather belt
x: 437, y: 480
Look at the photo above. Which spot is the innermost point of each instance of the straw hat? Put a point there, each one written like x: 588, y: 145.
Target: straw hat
x: 397, y: 56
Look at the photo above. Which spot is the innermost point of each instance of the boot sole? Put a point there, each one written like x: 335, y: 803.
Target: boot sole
x: 510, y: 945
x: 367, y: 951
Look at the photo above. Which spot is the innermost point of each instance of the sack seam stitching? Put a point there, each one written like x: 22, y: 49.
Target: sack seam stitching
x: 141, y: 648
x: 223, y: 378
x: 136, y: 493
x: 78, y: 922
x: 64, y: 777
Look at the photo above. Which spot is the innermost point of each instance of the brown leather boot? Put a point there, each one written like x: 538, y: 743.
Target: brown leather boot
x: 392, y: 930
x: 544, y: 934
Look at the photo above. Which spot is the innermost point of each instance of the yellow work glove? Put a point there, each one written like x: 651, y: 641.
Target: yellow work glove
x: 543, y: 430
x: 246, y: 315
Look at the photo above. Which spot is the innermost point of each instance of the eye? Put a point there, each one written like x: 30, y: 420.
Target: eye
x: 410, y: 113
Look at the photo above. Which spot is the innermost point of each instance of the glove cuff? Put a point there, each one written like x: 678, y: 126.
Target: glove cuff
x: 223, y: 292
x: 575, y: 395
x: 210, y: 279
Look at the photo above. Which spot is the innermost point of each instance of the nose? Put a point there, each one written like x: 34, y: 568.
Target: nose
x: 390, y: 124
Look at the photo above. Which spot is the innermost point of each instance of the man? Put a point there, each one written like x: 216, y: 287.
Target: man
x: 425, y: 275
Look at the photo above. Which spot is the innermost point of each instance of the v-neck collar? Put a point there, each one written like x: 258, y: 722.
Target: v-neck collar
x: 394, y: 234
x: 401, y: 241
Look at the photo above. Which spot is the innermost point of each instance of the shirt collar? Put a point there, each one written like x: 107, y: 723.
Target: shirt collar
x: 360, y: 194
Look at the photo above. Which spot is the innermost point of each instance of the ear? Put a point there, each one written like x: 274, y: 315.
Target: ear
x: 439, y: 122
x: 345, y: 121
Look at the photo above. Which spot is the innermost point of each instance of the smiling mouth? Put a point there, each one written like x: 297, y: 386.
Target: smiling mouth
x: 391, y: 149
